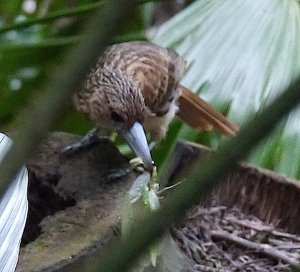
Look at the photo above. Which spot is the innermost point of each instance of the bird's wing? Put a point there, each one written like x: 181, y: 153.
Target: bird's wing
x: 155, y: 69
x: 200, y: 115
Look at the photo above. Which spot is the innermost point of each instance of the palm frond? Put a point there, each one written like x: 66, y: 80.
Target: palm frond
x: 241, y: 55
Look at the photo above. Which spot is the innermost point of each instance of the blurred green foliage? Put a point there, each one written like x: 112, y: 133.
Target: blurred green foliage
x: 30, y: 51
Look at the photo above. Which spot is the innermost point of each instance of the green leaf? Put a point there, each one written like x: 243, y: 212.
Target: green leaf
x: 153, y: 252
x: 154, y: 203
x: 138, y: 187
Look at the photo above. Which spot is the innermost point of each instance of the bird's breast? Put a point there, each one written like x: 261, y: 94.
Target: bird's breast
x: 157, y: 126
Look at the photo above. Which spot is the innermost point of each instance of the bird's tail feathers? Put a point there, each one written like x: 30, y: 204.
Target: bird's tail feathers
x: 201, y: 116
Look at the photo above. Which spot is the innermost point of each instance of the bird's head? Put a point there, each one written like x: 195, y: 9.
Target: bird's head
x: 121, y: 108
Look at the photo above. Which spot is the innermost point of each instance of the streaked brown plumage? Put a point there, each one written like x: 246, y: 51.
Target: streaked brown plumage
x: 139, y: 82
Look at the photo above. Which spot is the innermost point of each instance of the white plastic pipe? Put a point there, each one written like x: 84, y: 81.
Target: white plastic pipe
x: 13, y: 213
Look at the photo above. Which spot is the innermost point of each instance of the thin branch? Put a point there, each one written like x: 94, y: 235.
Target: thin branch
x: 54, y: 16
x: 267, y: 229
x: 264, y: 249
x: 65, y: 41
x: 45, y: 43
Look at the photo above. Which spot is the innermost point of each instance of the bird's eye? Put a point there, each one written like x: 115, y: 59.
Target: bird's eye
x: 117, y: 117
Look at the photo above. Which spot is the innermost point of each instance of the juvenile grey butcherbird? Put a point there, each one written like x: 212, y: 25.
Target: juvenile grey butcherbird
x: 135, y: 88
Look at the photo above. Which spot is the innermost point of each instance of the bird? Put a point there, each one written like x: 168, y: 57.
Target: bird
x: 135, y: 89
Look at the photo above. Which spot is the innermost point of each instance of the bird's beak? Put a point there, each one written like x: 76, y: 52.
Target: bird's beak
x: 136, y: 139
